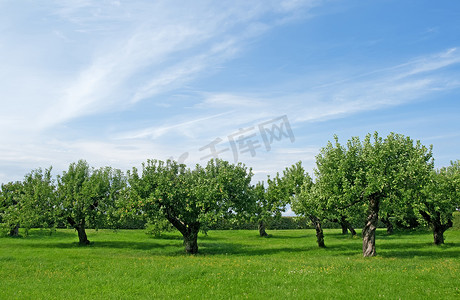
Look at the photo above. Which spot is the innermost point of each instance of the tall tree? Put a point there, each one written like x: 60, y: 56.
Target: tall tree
x: 192, y: 199
x: 374, y: 174
x: 394, y: 166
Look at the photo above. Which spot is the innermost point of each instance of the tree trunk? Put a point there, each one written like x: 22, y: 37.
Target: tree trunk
x: 371, y: 226
x: 191, y: 238
x: 319, y: 231
x: 438, y: 227
x: 344, y: 228
x: 15, y: 231
x: 438, y: 236
x: 80, y: 228
x: 262, y: 232
x: 189, y: 232
x: 438, y: 231
x: 83, y: 238
x: 347, y: 225
x: 352, y: 230
x: 388, y: 224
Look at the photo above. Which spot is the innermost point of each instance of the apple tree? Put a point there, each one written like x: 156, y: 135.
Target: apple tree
x: 192, y: 199
x: 87, y: 196
x: 440, y: 199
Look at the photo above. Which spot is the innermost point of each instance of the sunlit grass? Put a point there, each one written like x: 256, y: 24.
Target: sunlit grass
x: 231, y: 264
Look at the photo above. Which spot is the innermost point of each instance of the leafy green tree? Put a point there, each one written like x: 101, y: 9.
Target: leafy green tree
x: 291, y: 189
x: 192, y: 199
x: 375, y: 175
x: 262, y: 211
x: 332, y: 195
x: 441, y: 198
x: 308, y: 202
x: 87, y: 196
x: 10, y: 206
x: 270, y: 202
x: 39, y: 202
x: 393, y: 167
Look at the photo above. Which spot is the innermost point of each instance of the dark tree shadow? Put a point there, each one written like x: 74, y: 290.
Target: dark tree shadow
x: 287, y: 237
x: 101, y: 244
x: 341, y: 245
x: 403, y: 250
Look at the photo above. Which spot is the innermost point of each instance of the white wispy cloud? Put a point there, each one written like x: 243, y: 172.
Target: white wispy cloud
x: 90, y: 58
x: 141, y: 61
x: 159, y: 131
x: 375, y: 90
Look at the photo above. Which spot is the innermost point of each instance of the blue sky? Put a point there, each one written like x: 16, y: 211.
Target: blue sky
x: 118, y: 82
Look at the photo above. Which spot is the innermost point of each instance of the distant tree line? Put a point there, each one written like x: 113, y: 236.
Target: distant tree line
x: 389, y: 180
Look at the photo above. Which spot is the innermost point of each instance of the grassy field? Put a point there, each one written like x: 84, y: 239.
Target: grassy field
x: 231, y: 264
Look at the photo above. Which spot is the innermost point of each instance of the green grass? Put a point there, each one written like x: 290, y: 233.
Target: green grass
x: 231, y: 264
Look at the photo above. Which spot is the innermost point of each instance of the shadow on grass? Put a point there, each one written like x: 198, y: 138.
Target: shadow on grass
x: 165, y: 237
x: 43, y: 234
x: 409, y: 250
x: 339, y: 245
x: 101, y: 244
x: 40, y: 235
x: 402, y: 234
x: 285, y: 237
x: 240, y: 249
x: 402, y: 250
x: 180, y: 238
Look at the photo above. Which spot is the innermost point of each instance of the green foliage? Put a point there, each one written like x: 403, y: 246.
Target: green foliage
x: 191, y: 199
x: 158, y: 227
x: 289, y: 186
x: 334, y: 192
x: 89, y: 197
x: 10, y: 206
x: 269, y: 203
x: 39, y: 201
x: 281, y: 223
x: 441, y: 196
x: 397, y: 169
x: 376, y: 175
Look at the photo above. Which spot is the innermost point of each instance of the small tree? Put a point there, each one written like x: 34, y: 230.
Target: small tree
x: 309, y: 203
x: 440, y: 199
x: 291, y: 189
x: 262, y: 211
x: 269, y: 203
